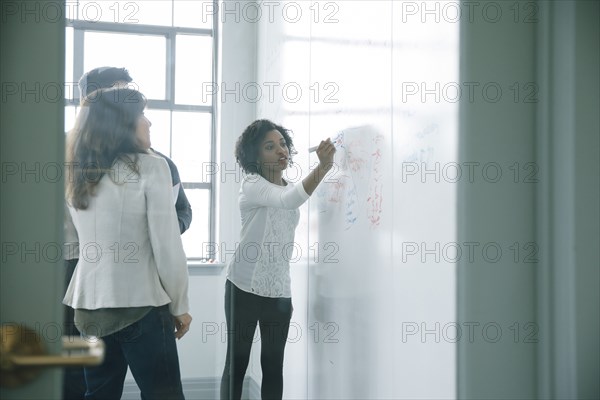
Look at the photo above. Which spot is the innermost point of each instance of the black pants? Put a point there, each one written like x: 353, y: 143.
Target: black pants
x: 74, y: 378
x: 242, y: 311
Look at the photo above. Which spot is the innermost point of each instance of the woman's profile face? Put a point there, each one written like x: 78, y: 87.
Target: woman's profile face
x: 273, y: 152
x: 143, y: 131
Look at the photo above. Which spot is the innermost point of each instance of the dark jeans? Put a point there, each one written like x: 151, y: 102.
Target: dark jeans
x: 242, y: 311
x: 148, y: 347
x: 73, y: 378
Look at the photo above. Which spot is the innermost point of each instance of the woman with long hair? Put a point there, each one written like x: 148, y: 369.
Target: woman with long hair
x: 130, y: 286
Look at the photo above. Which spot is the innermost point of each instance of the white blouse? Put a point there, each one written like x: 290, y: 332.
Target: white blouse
x: 270, y: 215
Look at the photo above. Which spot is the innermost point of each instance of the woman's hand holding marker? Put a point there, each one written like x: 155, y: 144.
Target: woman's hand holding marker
x: 325, y: 152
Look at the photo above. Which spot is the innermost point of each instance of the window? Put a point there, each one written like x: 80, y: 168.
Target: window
x: 169, y: 49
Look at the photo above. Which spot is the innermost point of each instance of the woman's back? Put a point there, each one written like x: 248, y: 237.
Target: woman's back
x: 129, y: 240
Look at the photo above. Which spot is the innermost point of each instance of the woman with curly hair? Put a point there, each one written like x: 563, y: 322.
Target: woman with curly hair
x: 258, y: 281
x: 130, y: 285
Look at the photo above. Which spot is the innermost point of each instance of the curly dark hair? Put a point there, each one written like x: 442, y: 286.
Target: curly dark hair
x: 247, y: 146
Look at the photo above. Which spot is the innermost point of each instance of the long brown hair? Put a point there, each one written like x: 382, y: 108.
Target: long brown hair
x: 105, y: 131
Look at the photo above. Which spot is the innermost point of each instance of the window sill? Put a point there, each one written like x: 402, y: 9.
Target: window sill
x: 196, y: 267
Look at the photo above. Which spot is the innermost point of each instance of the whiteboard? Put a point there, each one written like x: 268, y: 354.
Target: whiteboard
x: 358, y: 296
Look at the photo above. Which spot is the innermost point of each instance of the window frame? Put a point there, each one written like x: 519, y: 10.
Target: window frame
x: 170, y: 33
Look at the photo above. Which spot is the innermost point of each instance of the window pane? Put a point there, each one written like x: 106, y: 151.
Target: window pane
x: 147, y: 68
x: 194, y: 14
x: 193, y: 71
x: 196, y: 239
x: 147, y: 12
x: 160, y: 131
x: 191, y: 144
x: 70, y: 115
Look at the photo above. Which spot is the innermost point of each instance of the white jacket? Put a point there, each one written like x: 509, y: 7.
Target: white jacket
x: 130, y: 249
